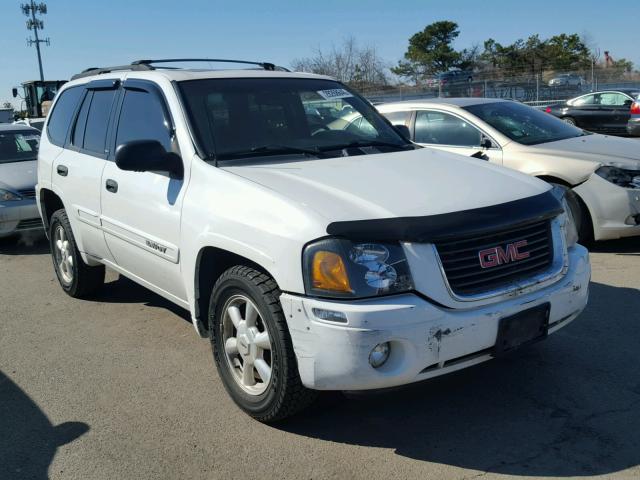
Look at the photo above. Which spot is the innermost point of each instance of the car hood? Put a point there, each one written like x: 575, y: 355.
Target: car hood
x: 412, y: 183
x: 598, y: 149
x: 18, y: 175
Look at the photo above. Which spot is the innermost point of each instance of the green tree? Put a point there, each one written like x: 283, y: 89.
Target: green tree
x: 533, y: 55
x: 430, y: 51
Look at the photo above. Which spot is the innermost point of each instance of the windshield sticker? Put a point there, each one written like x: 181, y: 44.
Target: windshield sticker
x: 334, y: 93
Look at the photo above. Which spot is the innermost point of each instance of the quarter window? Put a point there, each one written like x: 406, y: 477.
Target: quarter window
x: 438, y: 128
x: 142, y: 118
x: 95, y: 133
x: 62, y: 115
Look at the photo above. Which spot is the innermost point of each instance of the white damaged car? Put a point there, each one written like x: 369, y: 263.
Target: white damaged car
x: 312, y: 258
x: 602, y: 171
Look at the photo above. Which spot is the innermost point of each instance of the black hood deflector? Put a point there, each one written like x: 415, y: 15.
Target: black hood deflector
x: 444, y: 226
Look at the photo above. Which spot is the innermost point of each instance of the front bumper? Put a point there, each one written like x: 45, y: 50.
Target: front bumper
x: 19, y: 216
x: 615, y: 211
x: 426, y: 340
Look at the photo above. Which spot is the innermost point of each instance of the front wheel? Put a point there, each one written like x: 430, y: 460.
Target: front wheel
x: 252, y: 348
x: 76, y: 278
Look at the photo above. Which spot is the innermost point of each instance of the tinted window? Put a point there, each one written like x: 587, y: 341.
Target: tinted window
x: 397, y: 118
x: 142, y: 118
x: 95, y: 133
x: 62, y: 114
x: 81, y: 121
x: 18, y: 146
x: 440, y: 128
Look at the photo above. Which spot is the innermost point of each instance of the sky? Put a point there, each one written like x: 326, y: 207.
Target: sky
x: 113, y: 32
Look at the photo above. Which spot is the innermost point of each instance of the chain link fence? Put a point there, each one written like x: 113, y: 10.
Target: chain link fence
x: 539, y: 89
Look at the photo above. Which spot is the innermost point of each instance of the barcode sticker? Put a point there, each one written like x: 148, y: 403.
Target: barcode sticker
x: 334, y: 93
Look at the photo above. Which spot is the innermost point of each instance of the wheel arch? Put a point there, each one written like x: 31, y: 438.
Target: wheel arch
x: 211, y: 263
x: 586, y: 211
x: 50, y: 202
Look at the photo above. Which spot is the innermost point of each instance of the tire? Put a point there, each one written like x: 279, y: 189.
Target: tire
x: 76, y: 278
x: 238, y: 340
x: 580, y: 214
x: 569, y: 120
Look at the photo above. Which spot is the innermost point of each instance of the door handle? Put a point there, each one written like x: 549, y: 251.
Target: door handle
x: 111, y: 186
x: 62, y: 170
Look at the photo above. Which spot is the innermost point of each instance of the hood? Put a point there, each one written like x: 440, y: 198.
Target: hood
x: 597, y: 149
x: 18, y: 175
x: 385, y: 185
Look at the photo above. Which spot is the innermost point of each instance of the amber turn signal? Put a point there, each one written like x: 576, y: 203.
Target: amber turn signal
x: 329, y: 272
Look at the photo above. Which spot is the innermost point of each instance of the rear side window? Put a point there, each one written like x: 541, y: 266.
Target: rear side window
x: 62, y: 115
x: 397, y: 118
x: 142, y: 118
x: 81, y: 121
x: 95, y: 132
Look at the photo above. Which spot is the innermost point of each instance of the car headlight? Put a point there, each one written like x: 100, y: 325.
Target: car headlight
x: 618, y: 176
x: 8, y: 196
x: 567, y: 219
x: 340, y: 268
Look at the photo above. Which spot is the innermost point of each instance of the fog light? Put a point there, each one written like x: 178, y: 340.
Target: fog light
x: 330, y: 315
x: 379, y: 354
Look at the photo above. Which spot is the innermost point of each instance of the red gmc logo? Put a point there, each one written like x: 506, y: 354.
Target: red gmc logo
x: 494, y: 256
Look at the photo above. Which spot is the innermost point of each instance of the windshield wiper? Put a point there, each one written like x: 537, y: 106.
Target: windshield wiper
x: 370, y: 143
x: 272, y: 149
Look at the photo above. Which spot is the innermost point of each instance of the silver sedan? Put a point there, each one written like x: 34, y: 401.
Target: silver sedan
x: 18, y: 167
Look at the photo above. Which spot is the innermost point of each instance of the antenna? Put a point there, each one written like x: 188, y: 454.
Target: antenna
x: 33, y: 23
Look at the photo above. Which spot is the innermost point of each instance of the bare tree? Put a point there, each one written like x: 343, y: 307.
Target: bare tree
x: 349, y: 63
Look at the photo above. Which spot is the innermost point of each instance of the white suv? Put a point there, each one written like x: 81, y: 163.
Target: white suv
x: 313, y: 258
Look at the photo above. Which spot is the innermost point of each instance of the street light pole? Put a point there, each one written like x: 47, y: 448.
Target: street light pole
x: 30, y: 9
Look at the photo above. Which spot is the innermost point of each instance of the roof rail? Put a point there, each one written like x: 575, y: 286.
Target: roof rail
x: 100, y: 70
x: 265, y: 65
x: 142, y: 65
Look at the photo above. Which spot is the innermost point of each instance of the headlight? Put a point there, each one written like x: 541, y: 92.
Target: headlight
x: 8, y: 196
x: 570, y: 228
x: 618, y: 176
x: 567, y: 220
x: 343, y: 269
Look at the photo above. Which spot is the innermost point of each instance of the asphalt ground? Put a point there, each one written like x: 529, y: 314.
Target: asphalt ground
x: 120, y: 387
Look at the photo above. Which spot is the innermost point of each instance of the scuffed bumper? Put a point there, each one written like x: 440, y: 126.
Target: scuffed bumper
x: 426, y: 341
x: 614, y: 210
x: 19, y: 216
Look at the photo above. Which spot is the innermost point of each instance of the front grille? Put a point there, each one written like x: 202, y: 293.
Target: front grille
x: 29, y: 224
x: 460, y: 258
x: 30, y: 193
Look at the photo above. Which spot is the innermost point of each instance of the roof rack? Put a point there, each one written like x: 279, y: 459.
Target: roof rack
x: 143, y: 65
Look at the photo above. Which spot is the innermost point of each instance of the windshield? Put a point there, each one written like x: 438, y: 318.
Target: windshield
x: 18, y: 146
x: 524, y: 124
x: 256, y: 117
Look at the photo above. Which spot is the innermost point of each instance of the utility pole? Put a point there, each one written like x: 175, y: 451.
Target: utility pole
x: 30, y: 9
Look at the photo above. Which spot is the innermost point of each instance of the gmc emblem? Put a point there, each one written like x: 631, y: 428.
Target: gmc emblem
x: 494, y: 256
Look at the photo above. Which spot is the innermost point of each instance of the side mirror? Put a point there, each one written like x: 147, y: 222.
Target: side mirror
x: 486, y: 143
x: 404, y: 132
x: 14, y: 92
x: 148, y: 156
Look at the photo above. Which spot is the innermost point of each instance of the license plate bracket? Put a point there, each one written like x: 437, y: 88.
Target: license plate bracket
x: 523, y: 328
